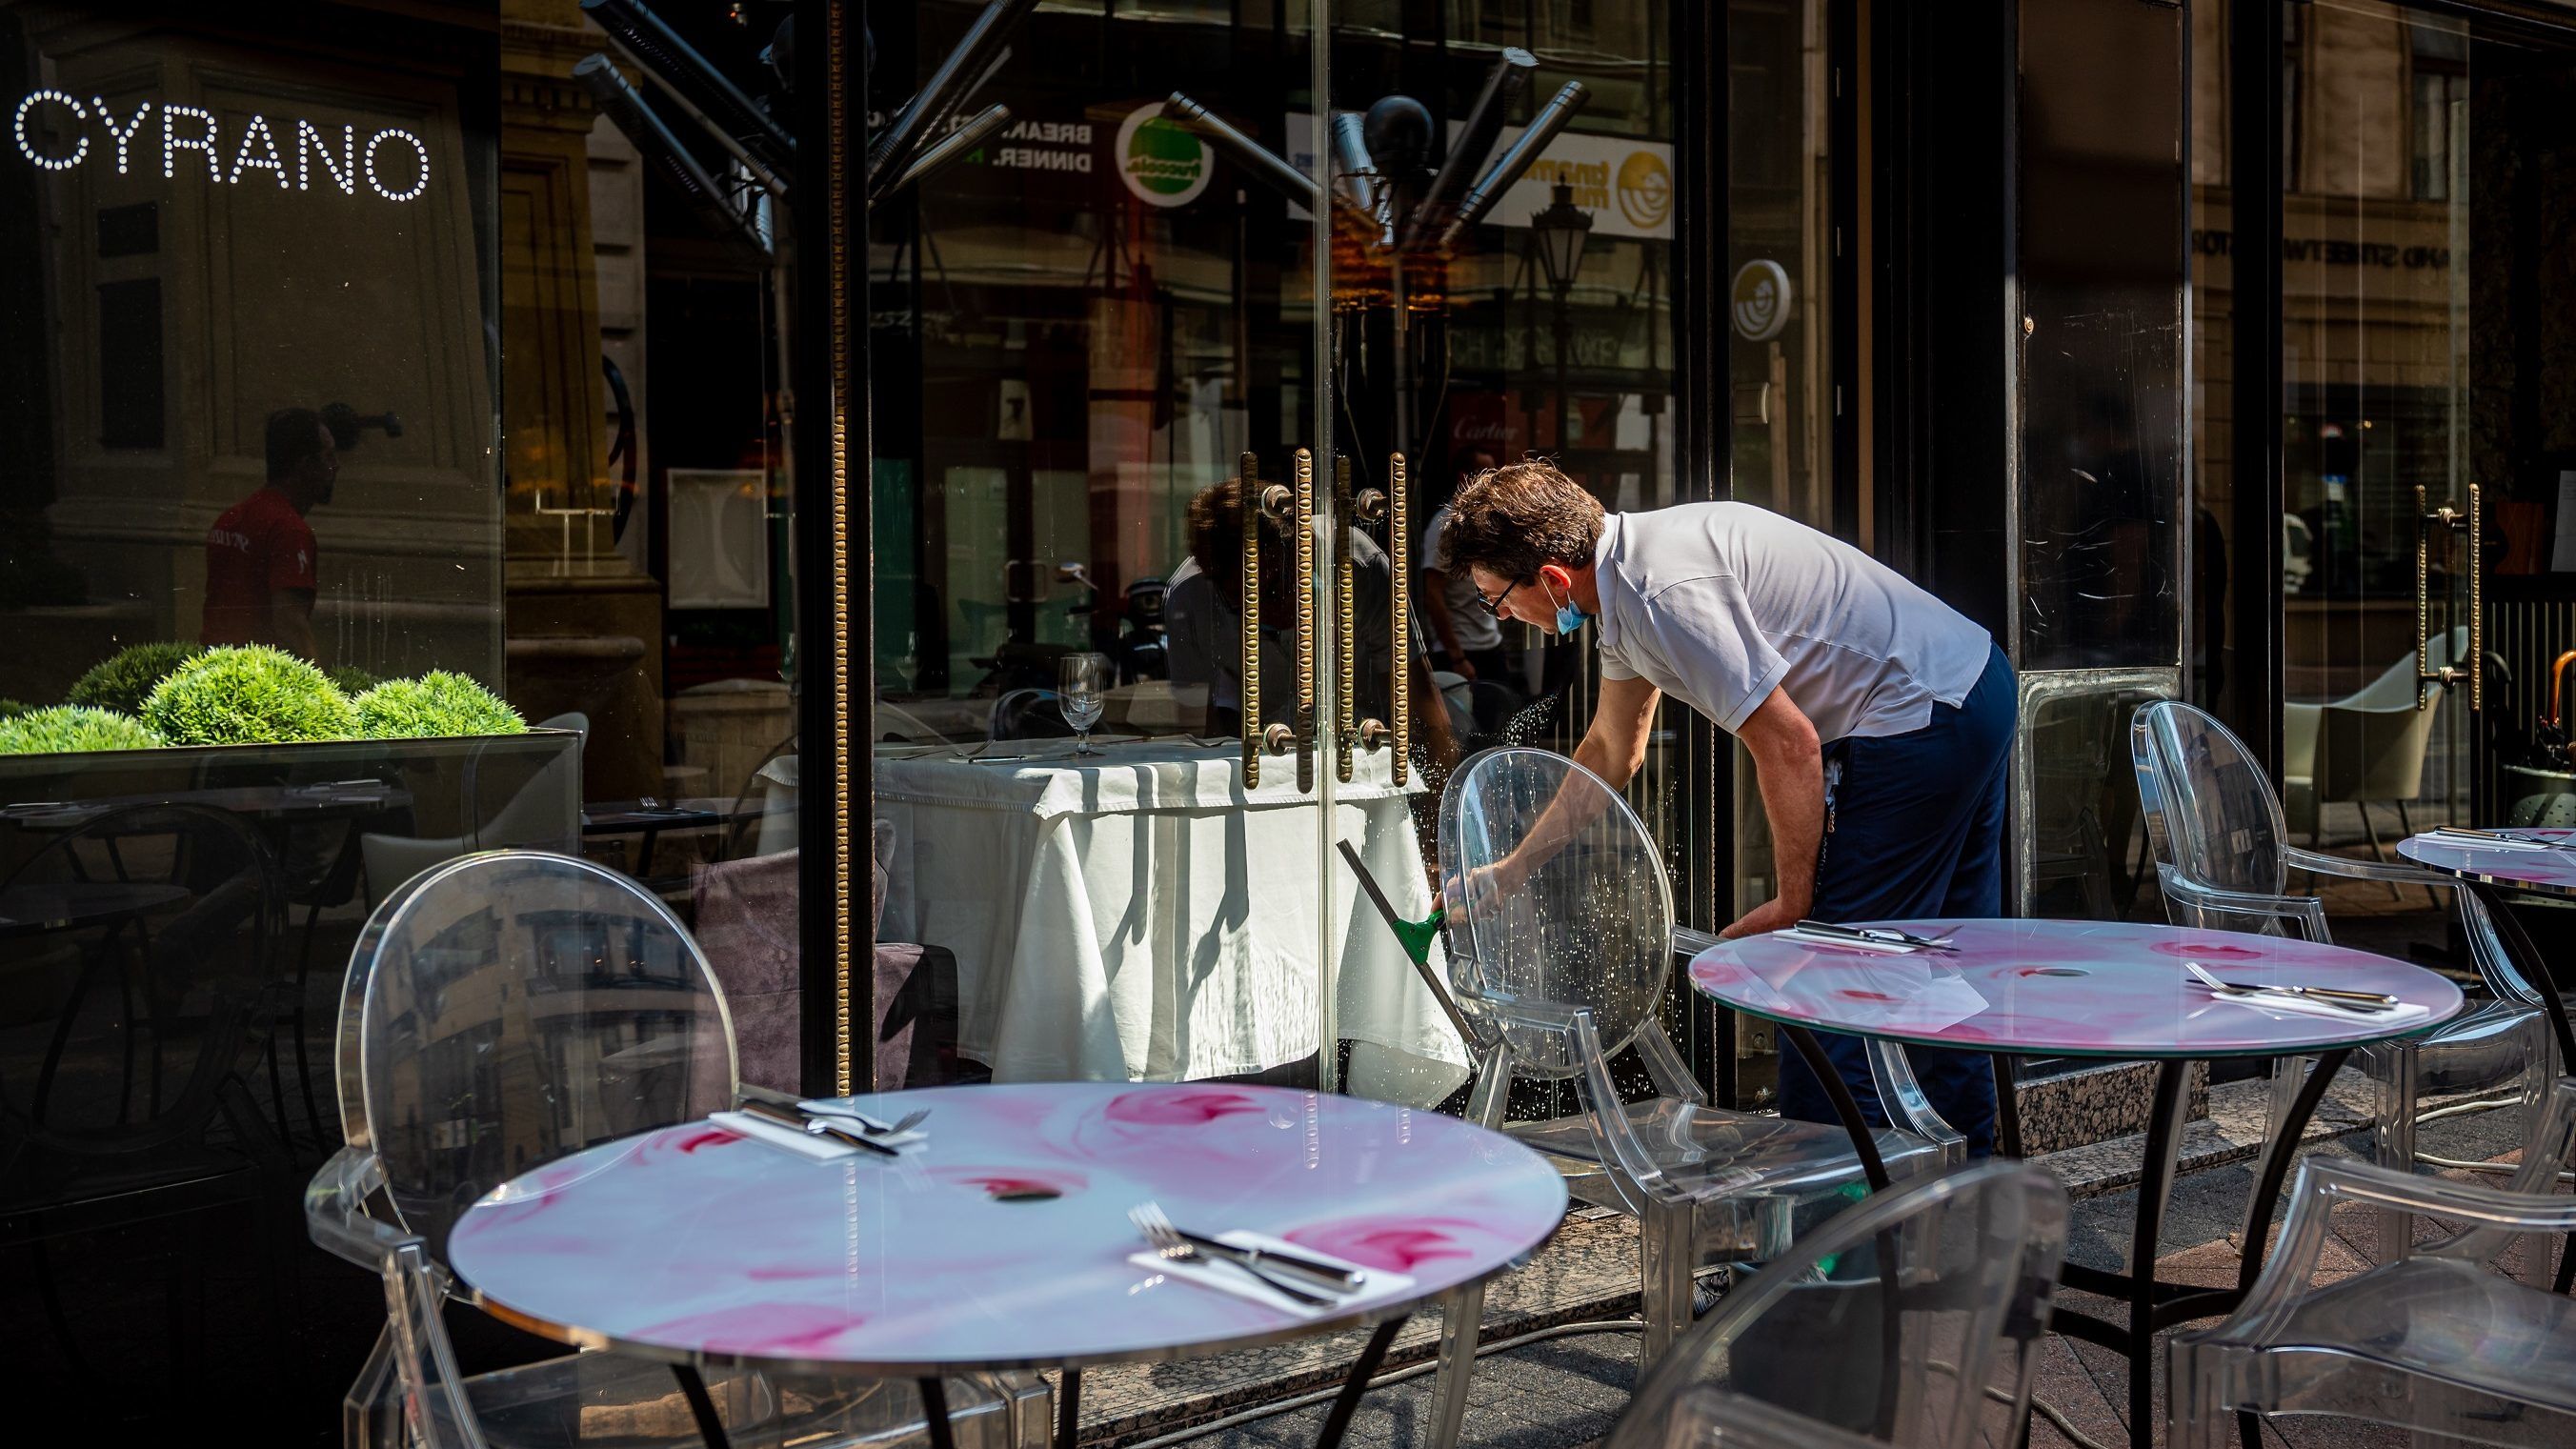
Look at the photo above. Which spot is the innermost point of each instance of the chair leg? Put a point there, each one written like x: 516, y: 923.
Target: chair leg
x: 2393, y: 1070
x: 2377, y: 851
x: 1666, y: 1258
x: 1460, y: 1318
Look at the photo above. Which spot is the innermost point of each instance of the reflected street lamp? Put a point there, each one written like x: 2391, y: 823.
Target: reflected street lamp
x: 1561, y: 229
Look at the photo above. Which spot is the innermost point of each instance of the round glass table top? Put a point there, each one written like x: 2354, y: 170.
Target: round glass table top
x: 1003, y: 1241
x: 2545, y: 862
x: 2073, y: 988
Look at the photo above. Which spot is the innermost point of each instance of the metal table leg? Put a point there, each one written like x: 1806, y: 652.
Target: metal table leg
x: 934, y: 1413
x: 1864, y: 1139
x: 702, y: 1406
x: 2155, y: 1306
x: 1338, y: 1422
x: 1068, y: 1408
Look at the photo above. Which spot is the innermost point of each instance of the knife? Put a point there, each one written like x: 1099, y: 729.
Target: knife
x: 1341, y: 1280
x: 1883, y: 937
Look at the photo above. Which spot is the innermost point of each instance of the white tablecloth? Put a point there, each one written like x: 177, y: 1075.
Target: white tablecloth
x: 1135, y: 916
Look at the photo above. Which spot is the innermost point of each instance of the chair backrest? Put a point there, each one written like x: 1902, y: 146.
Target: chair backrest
x: 2210, y: 811
x: 1591, y: 927
x: 505, y: 1009
x: 142, y: 958
x: 1915, y: 1318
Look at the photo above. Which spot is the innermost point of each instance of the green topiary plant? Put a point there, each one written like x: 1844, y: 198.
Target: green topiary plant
x: 125, y: 678
x: 248, y: 695
x: 352, y: 680
x: 12, y: 708
x: 437, y: 703
x: 67, y: 728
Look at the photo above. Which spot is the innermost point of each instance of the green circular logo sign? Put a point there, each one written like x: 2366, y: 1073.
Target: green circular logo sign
x: 1162, y: 161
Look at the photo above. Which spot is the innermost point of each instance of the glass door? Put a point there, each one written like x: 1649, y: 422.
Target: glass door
x: 1103, y: 724
x: 2384, y: 514
x: 1501, y: 235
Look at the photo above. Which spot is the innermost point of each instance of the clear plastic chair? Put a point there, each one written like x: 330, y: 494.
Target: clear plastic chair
x: 1914, y: 1319
x: 1560, y: 943
x: 503, y: 1010
x: 2431, y: 1340
x: 2223, y: 855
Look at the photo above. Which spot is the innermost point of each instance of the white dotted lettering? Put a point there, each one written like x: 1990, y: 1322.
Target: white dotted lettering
x: 244, y: 161
x: 420, y: 181
x: 309, y: 139
x: 27, y: 149
x: 124, y: 136
x: 172, y: 143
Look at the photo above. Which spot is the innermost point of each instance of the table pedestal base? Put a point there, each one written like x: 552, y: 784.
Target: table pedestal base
x: 2153, y: 1306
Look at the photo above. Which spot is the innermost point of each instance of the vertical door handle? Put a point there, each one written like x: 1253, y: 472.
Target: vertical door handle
x: 1346, y: 644
x: 1304, y: 524
x: 1258, y: 503
x: 2450, y: 520
x: 1391, y: 505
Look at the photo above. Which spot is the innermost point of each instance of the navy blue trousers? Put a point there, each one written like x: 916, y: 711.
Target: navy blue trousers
x: 1916, y: 829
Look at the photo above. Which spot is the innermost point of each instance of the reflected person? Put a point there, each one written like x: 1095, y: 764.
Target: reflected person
x: 1879, y: 719
x: 1205, y: 627
x: 261, y: 565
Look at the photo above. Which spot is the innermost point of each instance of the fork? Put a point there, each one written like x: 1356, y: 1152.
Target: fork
x: 2230, y: 988
x: 1167, y: 1242
x: 1325, y: 1276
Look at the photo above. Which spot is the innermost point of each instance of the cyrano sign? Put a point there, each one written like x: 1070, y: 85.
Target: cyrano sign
x: 56, y: 130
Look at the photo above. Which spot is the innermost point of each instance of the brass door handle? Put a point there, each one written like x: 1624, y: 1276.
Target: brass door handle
x: 1304, y: 524
x: 1346, y: 644
x: 2450, y: 520
x: 1247, y: 690
x: 1392, y: 506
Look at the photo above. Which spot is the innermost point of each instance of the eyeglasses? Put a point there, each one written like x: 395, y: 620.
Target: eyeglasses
x: 1493, y: 607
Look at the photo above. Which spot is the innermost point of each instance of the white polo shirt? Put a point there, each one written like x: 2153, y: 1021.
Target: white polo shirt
x: 1716, y: 604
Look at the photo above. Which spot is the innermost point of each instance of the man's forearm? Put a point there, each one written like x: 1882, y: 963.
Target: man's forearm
x: 1433, y: 597
x: 1792, y: 779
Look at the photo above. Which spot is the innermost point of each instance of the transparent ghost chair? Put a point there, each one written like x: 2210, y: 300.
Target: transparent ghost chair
x: 1914, y: 1319
x: 1560, y: 943
x: 2223, y: 854
x: 503, y: 1010
x: 2432, y: 1340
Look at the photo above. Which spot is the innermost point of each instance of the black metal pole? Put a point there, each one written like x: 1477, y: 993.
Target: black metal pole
x: 2254, y: 39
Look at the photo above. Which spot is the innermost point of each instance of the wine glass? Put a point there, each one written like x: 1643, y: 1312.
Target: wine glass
x: 1082, y: 683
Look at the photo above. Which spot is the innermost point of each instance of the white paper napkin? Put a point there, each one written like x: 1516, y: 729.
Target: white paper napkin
x: 1848, y: 943
x: 2404, y: 1014
x: 1376, y: 1284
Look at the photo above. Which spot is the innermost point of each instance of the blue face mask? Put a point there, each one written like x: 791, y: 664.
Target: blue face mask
x: 1568, y: 617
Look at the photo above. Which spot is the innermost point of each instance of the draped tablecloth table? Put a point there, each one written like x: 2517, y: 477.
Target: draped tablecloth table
x: 1002, y: 1241
x: 2089, y: 989
x: 1138, y: 914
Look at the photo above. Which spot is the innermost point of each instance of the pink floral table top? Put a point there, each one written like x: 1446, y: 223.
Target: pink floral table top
x: 2535, y: 867
x: 1004, y: 1240
x: 2069, y: 988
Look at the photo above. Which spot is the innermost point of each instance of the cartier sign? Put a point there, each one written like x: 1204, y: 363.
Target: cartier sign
x: 59, y: 131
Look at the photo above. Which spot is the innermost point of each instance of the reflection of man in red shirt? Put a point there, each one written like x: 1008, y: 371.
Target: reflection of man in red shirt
x: 260, y: 577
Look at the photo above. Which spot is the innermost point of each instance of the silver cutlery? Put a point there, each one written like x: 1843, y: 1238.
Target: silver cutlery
x: 2367, y: 1003
x: 905, y: 1124
x: 1167, y: 1242
x: 2467, y: 836
x: 816, y: 1127
x: 1331, y: 1278
x: 1880, y: 935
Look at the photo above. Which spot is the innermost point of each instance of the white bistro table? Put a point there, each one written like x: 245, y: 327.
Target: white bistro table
x: 1136, y: 914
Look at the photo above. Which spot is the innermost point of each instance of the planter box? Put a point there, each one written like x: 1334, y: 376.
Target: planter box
x: 341, y: 817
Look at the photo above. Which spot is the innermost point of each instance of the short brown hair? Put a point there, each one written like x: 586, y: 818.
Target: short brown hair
x: 1510, y: 520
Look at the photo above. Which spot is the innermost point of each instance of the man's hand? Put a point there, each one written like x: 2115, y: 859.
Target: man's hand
x: 1486, y: 888
x: 1772, y: 915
